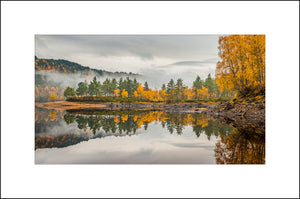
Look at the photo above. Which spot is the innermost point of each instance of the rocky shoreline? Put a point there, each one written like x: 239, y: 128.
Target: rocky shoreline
x: 245, y: 113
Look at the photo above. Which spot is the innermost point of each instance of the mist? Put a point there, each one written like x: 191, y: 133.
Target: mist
x: 157, y: 58
x: 72, y: 79
x: 156, y: 76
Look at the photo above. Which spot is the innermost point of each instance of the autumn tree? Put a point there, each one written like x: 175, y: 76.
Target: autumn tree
x: 202, y: 93
x: 124, y: 94
x: 162, y: 94
x: 188, y: 93
x: 139, y: 91
x: 53, y: 96
x: 242, y: 65
x: 135, y: 94
x: 117, y: 92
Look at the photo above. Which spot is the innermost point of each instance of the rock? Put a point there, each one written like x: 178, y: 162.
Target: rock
x: 228, y: 106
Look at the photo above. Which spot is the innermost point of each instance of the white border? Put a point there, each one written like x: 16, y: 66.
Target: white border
x: 21, y: 20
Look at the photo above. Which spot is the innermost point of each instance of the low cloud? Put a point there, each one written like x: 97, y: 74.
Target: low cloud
x: 157, y: 57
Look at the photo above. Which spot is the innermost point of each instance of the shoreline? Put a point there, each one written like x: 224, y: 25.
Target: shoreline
x: 178, y: 107
x: 242, y: 112
x: 65, y: 105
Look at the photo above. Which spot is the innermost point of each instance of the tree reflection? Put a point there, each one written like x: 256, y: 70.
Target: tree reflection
x: 69, y: 118
x: 243, y: 146
x: 130, y: 122
x: 81, y: 122
x: 170, y: 126
x: 239, y: 145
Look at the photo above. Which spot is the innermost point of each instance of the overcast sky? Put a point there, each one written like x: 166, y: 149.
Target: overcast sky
x: 155, y: 56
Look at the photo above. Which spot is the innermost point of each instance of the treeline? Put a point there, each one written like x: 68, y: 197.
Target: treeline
x: 44, y: 86
x: 131, y: 90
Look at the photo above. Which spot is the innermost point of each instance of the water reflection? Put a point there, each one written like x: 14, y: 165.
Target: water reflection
x: 45, y: 118
x: 241, y: 147
x: 130, y: 121
x: 60, y: 129
x: 120, y: 122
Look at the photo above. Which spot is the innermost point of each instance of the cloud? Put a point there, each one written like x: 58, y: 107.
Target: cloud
x: 162, y: 56
x: 146, y: 47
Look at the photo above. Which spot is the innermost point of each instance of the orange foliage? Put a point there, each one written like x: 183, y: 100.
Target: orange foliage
x: 117, y: 92
x: 242, y: 67
x: 124, y: 94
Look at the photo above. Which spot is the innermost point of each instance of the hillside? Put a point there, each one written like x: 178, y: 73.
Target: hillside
x: 53, y: 75
x: 65, y: 66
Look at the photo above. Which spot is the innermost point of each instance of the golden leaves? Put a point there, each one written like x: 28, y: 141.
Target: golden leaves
x: 117, y: 92
x: 53, y: 96
x: 124, y: 94
x: 243, y: 63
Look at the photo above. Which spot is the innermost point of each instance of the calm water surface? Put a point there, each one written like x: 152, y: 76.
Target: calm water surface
x: 141, y: 137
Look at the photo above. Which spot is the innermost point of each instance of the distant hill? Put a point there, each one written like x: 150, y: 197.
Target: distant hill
x: 52, y: 76
x: 64, y: 66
